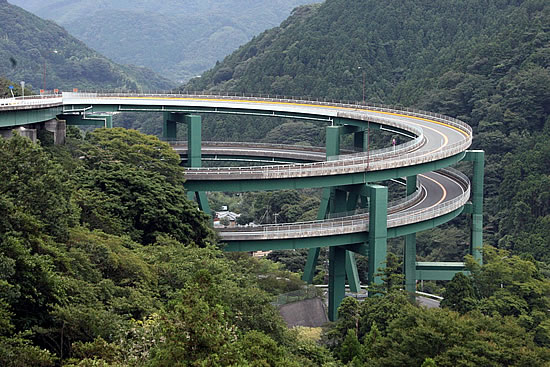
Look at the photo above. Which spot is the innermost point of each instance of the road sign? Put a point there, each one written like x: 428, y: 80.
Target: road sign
x: 10, y: 87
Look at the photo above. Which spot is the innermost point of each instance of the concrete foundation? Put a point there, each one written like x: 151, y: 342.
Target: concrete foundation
x: 22, y: 131
x: 58, y: 128
x: 309, y: 312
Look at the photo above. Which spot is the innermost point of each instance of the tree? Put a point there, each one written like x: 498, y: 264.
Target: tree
x: 459, y: 294
x: 350, y: 348
x: 130, y: 183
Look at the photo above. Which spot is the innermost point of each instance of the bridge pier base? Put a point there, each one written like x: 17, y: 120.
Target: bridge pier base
x: 22, y: 131
x: 58, y: 128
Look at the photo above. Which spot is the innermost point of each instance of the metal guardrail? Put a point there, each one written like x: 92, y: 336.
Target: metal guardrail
x: 353, y: 224
x: 315, y: 149
x: 378, y: 161
x: 30, y: 101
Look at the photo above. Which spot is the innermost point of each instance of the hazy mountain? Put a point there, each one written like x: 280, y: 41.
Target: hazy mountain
x: 176, y: 38
x: 44, y: 55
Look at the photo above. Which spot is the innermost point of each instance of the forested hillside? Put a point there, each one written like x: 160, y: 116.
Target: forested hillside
x: 104, y: 262
x: 485, y: 62
x: 115, y: 267
x: 43, y: 54
x: 177, y: 39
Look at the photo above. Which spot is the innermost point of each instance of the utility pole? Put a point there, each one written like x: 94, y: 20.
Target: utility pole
x: 44, y: 77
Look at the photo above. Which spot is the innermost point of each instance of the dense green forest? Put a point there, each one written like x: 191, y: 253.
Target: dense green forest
x: 115, y: 264
x: 177, y: 39
x: 486, y: 63
x: 33, y: 49
x: 115, y: 267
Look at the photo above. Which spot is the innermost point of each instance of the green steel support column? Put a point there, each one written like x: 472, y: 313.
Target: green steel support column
x: 332, y: 148
x: 333, y: 134
x: 169, y: 127
x: 378, y: 231
x: 336, y: 280
x: 410, y: 249
x: 351, y: 265
x: 313, y: 253
x: 202, y: 200
x: 411, y: 185
x: 339, y: 201
x: 109, y: 121
x: 476, y: 244
x: 352, y: 273
x: 359, y: 141
x: 194, y: 140
x: 352, y: 201
x: 311, y: 263
x: 363, y: 202
x: 410, y: 264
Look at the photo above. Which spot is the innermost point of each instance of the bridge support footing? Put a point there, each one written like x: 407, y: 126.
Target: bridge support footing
x: 58, y: 129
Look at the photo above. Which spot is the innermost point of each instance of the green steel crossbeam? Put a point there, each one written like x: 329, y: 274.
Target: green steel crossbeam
x: 439, y: 270
x: 88, y: 120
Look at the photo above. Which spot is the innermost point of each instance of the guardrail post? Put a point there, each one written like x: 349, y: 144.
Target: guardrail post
x: 409, y: 263
x: 378, y: 231
x: 476, y: 242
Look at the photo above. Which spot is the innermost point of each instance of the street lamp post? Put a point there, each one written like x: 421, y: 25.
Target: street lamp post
x: 23, y: 89
x: 368, y: 122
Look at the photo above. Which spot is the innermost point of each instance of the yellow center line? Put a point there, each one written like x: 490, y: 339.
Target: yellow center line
x: 442, y: 196
x: 294, y: 104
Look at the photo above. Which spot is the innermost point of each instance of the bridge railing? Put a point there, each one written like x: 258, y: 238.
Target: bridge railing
x: 279, y: 98
x: 352, y: 224
x: 315, y: 149
x: 34, y: 101
x: 372, y: 161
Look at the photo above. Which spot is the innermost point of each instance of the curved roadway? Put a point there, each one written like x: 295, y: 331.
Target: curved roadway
x: 438, y: 142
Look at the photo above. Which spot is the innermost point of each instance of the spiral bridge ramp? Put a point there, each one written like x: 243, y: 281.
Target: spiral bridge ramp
x: 355, y: 215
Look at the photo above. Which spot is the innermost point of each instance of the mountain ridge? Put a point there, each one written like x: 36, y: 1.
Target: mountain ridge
x: 178, y: 39
x: 46, y: 56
